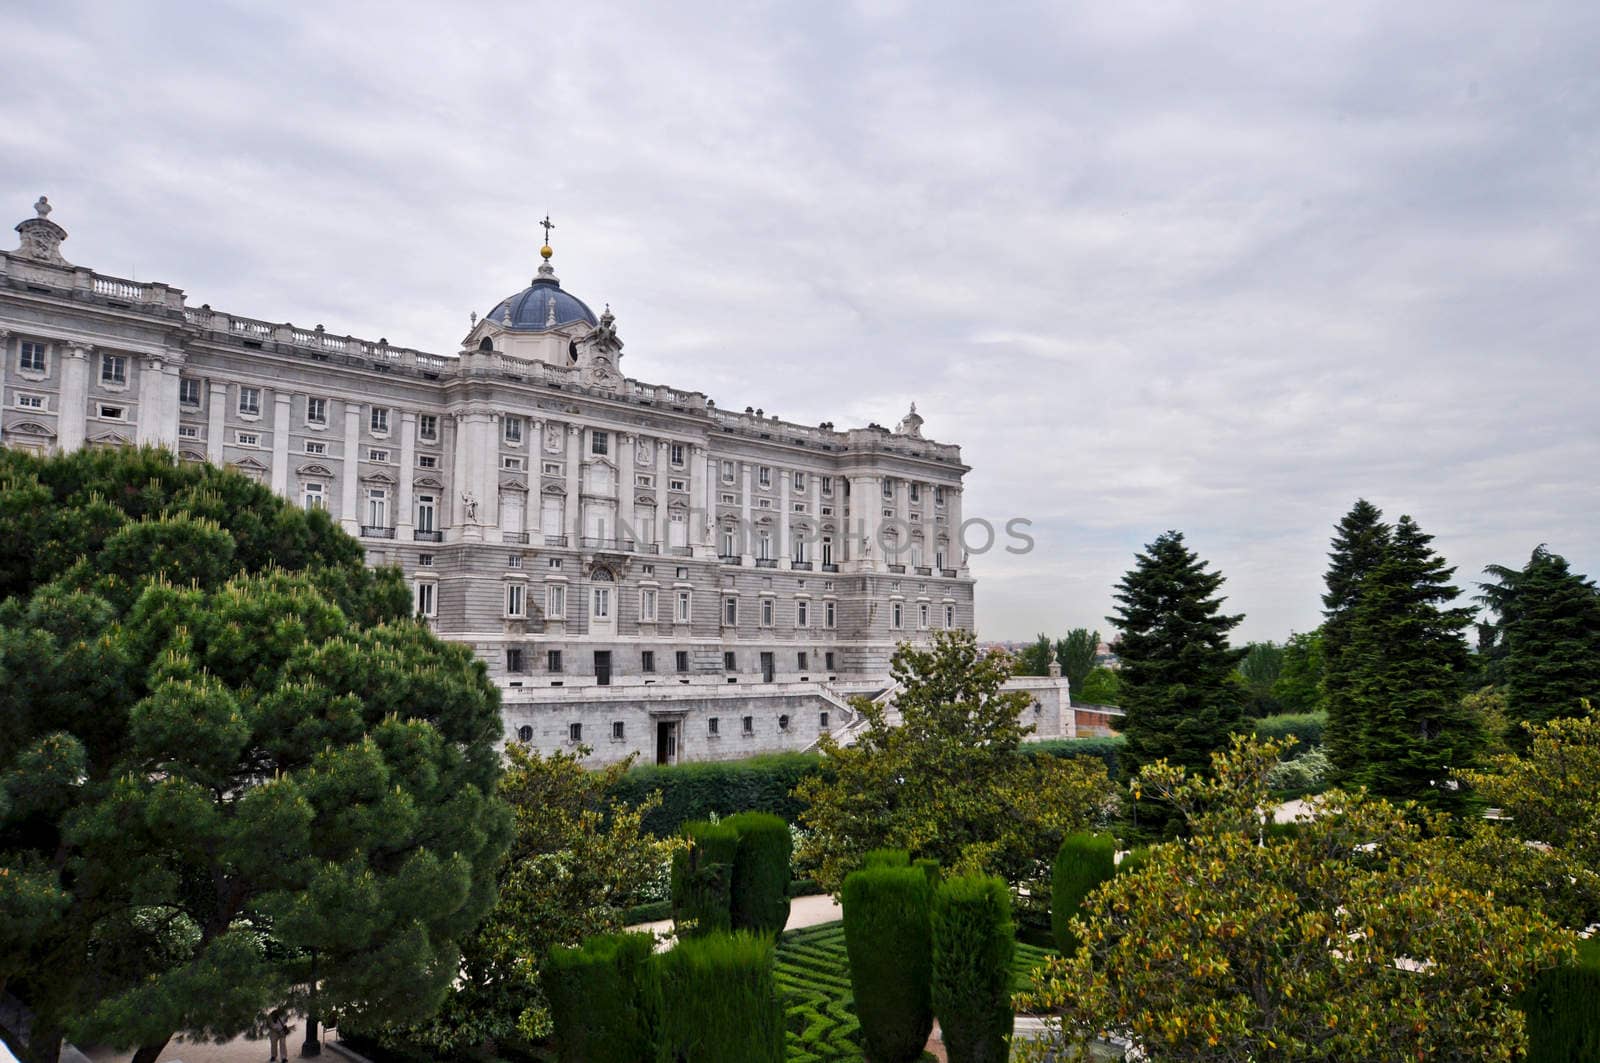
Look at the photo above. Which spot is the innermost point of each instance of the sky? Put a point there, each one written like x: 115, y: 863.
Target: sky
x: 1222, y: 268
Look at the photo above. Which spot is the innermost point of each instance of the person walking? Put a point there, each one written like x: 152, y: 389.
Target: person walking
x: 278, y: 1031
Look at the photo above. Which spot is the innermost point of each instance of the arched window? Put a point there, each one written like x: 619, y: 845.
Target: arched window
x: 486, y: 344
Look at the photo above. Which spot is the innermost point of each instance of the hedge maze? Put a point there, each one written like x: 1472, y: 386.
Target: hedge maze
x: 813, y: 974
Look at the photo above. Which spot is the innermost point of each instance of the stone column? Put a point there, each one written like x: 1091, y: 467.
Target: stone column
x: 149, y: 400
x: 695, y: 533
x: 663, y: 514
x: 216, y: 421
x: 815, y: 483
x: 747, y: 531
x: 405, y: 517
x: 574, y: 515
x: 459, y: 484
x: 958, y: 552
x: 902, y: 516
x: 785, y: 482
x: 5, y: 360
x: 626, y: 517
x: 72, y: 423
x: 450, y: 441
x: 171, y: 377
x: 489, y: 473
x: 280, y: 442
x: 866, y: 508
x: 349, y: 505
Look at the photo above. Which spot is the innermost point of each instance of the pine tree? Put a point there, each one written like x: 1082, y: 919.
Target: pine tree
x: 1406, y: 667
x: 1179, y: 693
x: 1549, y: 625
x: 1358, y: 545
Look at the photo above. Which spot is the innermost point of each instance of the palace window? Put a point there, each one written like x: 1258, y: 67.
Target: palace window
x: 513, y: 561
x: 803, y: 659
x: 113, y: 413
x: 32, y: 358
x: 730, y: 611
x: 830, y: 613
x: 896, y: 616
x: 827, y: 660
x: 316, y: 410
x: 802, y: 613
x: 617, y: 730
x: 378, y: 507
x: 675, y: 454
x: 827, y: 485
x: 749, y: 725
x: 822, y: 721
x: 516, y: 600
x: 249, y: 402
x: 428, y: 427
x: 799, y: 481
x: 916, y: 492
x: 647, y: 661
x: 922, y: 616
x: 513, y: 431
x: 424, y: 560
x: 511, y: 463
x: 514, y: 662
x: 680, y: 660
x: 730, y: 662
x: 711, y: 725
x: 727, y: 472
x: 30, y: 402
x: 888, y: 487
x: 427, y: 461
x: 682, y: 613
x: 379, y: 420
x: 314, y: 496
x: 764, y: 476
x: 374, y: 454
x: 427, y: 595
x: 677, y: 485
x: 188, y: 391
x: 949, y: 616
x: 113, y: 369
x: 574, y: 733
x: 314, y: 446
x: 766, y: 612
x: 555, y: 598
x: 599, y: 442
x: 427, y: 511
x: 188, y: 431
x: 647, y: 604
x: 552, y: 662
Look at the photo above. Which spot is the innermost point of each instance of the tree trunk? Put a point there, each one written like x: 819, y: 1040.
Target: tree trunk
x: 150, y: 1052
x: 44, y: 1044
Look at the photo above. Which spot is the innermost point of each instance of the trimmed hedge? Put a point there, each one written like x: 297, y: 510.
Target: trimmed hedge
x: 1134, y: 860
x: 887, y: 937
x: 1306, y: 726
x: 931, y: 868
x: 1107, y: 749
x: 599, y: 999
x: 1085, y: 861
x: 698, y: 789
x: 761, y: 872
x: 719, y: 1002
x: 1563, y: 1009
x: 702, y: 879
x: 886, y: 858
x: 973, y: 945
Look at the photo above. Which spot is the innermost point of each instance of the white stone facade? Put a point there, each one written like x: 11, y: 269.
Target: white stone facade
x: 617, y: 552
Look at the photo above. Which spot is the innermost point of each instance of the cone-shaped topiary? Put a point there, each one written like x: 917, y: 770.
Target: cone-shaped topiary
x: 974, y: 940
x: 1085, y: 861
x: 1563, y: 1008
x: 761, y: 872
x: 886, y: 858
x: 600, y: 999
x: 702, y: 878
x: 719, y: 1002
x: 887, y: 939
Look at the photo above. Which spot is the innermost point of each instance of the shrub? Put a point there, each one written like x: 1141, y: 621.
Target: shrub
x: 761, y: 872
x: 698, y: 790
x: 598, y: 999
x: 886, y: 858
x: 719, y: 1002
x: 1107, y: 749
x: 931, y: 868
x: 702, y: 878
x: 1563, y: 1009
x: 973, y: 945
x: 1306, y: 726
x: 888, y: 940
x: 1134, y: 860
x: 1085, y: 861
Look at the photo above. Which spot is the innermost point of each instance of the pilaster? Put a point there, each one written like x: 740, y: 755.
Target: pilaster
x: 72, y: 424
x: 216, y: 421
x: 405, y: 517
x: 280, y: 442
x: 626, y: 463
x: 349, y: 484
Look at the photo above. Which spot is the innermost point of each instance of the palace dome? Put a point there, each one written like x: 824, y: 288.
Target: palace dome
x: 541, y: 305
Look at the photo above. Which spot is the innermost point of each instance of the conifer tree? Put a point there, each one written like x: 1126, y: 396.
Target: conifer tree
x: 1358, y: 545
x: 1178, y: 689
x: 1405, y: 669
x: 1549, y: 624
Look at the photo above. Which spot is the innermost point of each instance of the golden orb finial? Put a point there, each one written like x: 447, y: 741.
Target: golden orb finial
x: 545, y: 252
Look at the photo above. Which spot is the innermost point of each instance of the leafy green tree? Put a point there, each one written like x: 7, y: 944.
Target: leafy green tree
x: 1102, y: 686
x: 1034, y: 658
x: 1299, y: 685
x: 236, y: 772
x: 1076, y: 654
x: 951, y: 782
x: 1549, y: 619
x: 1359, y: 544
x: 1260, y: 669
x: 1345, y: 938
x: 1406, y: 671
x: 1178, y: 692
x: 576, y: 864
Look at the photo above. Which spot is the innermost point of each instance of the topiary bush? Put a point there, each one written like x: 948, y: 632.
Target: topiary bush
x: 1306, y: 726
x: 702, y: 878
x: 1085, y: 861
x: 1106, y: 749
x: 761, y: 872
x: 886, y: 858
x: 600, y: 999
x: 1563, y: 1010
x: 700, y: 789
x: 887, y: 937
x: 974, y: 942
x: 1133, y: 860
x: 719, y: 1002
x: 931, y: 868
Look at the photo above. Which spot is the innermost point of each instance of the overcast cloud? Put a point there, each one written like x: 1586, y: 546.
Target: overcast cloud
x: 1214, y: 267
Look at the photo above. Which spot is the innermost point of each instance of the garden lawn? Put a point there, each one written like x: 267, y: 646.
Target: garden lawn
x: 813, y: 975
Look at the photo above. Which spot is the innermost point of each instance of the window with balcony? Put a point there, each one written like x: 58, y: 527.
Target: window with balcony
x: 427, y: 513
x: 377, y: 507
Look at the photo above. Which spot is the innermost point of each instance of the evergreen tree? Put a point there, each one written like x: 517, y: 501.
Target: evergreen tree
x: 1075, y: 654
x: 1548, y: 618
x: 234, y: 771
x: 1406, y: 666
x: 1358, y: 545
x: 1179, y: 693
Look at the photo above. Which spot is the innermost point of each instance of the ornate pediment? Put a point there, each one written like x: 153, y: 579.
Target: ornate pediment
x: 514, y: 484
x: 31, y: 428
x: 313, y: 469
x: 248, y: 464
x: 429, y: 481
x: 554, y: 489
x: 378, y: 478
x: 191, y: 455
x: 110, y: 439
